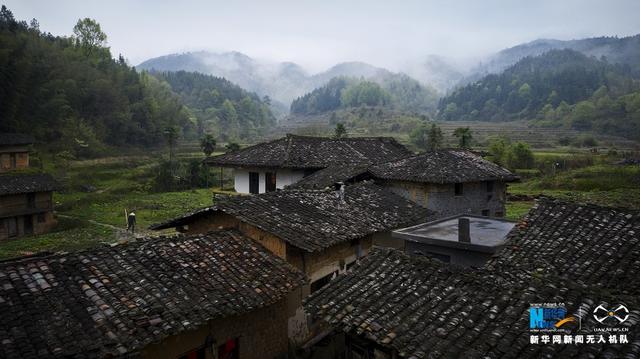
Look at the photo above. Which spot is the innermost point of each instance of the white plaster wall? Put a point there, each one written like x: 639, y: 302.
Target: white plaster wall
x: 284, y: 177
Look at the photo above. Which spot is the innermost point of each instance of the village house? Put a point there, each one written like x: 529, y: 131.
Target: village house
x: 392, y: 305
x: 211, y: 296
x: 273, y: 165
x: 26, y: 204
x: 448, y: 181
x: 14, y: 151
x: 314, y: 230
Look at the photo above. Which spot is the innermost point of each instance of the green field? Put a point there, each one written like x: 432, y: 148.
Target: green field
x: 603, y: 184
x: 91, y: 208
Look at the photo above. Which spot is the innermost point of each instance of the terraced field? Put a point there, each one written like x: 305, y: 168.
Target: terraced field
x: 537, y: 137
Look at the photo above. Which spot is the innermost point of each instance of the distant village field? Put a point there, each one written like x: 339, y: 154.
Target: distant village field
x: 96, y: 192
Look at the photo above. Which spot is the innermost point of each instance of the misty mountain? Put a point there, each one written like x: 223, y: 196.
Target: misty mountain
x: 437, y: 71
x: 560, y: 88
x: 624, y: 50
x: 393, y: 91
x: 281, y: 81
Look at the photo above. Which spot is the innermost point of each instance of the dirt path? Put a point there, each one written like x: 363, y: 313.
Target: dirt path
x: 120, y: 233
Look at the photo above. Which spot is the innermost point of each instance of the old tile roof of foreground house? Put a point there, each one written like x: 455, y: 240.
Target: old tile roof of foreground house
x: 114, y: 300
x: 316, y: 219
x: 442, y: 166
x: 590, y: 244
x: 424, y: 308
x: 25, y: 183
x: 313, y: 152
x: 12, y: 139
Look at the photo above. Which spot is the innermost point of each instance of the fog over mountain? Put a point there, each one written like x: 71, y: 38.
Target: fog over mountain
x: 320, y: 34
x: 285, y: 81
x: 282, y: 81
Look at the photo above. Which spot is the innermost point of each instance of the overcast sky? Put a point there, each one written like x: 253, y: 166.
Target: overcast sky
x: 320, y: 33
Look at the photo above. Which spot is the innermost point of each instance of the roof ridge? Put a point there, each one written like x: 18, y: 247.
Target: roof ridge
x: 544, y: 199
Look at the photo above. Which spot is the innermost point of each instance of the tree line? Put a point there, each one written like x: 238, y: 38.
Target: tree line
x: 561, y: 88
x: 73, y: 96
x: 398, y: 92
x: 220, y: 106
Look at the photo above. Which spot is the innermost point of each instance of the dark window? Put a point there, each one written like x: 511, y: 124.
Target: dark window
x: 31, y: 200
x: 499, y: 214
x: 28, y: 224
x: 229, y: 350
x: 254, y: 182
x: 199, y: 353
x: 269, y: 182
x: 42, y: 218
x: 321, y: 282
x: 485, y: 212
x: 13, y: 160
x: 490, y: 186
x: 457, y: 189
x: 1, y: 224
x: 13, y: 226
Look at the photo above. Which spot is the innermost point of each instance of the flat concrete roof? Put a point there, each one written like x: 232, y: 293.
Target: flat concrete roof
x: 487, y: 234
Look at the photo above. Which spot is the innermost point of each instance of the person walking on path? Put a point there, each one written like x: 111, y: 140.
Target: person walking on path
x: 131, y: 222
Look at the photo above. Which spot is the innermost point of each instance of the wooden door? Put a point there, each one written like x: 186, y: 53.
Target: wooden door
x: 269, y: 182
x: 13, y: 226
x: 28, y: 224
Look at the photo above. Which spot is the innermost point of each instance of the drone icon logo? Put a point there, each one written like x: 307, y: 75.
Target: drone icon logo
x: 619, y: 313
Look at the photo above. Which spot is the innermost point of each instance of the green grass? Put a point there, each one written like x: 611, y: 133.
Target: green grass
x: 69, y: 235
x: 517, y: 210
x: 120, y: 183
x: 150, y: 208
x: 605, y: 185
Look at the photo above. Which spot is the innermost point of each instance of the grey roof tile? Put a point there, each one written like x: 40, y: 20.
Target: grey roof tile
x: 442, y: 166
x: 303, y: 152
x: 26, y: 183
x: 313, y: 220
x: 114, y: 300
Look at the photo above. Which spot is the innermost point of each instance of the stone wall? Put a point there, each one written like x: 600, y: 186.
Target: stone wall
x: 441, y: 198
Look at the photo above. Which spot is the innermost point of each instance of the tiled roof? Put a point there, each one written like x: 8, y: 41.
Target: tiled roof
x: 116, y: 300
x: 590, y: 244
x: 424, y: 308
x: 442, y: 166
x: 10, y: 139
x: 26, y: 183
x: 313, y: 152
x: 327, y: 177
x: 316, y: 219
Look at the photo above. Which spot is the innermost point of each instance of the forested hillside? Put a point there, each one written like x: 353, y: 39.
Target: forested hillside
x: 72, y: 95
x: 625, y: 50
x: 220, y: 106
x: 399, y: 92
x: 558, y: 88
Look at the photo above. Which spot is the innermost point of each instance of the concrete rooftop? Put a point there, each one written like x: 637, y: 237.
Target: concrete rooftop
x: 484, y: 232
